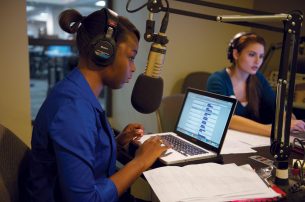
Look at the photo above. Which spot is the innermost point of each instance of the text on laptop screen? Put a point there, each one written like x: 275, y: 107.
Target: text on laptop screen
x: 204, y: 118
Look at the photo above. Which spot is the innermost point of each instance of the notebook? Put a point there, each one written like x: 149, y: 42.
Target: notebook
x: 200, y: 129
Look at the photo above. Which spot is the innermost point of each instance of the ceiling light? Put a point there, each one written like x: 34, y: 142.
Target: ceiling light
x: 100, y: 3
x: 55, y: 2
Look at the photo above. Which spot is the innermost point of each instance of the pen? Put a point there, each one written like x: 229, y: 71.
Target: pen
x: 265, y: 180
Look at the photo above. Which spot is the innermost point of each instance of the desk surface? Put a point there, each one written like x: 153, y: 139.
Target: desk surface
x: 238, y: 159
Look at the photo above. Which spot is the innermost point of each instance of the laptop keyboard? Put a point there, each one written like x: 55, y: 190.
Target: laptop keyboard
x: 182, y: 147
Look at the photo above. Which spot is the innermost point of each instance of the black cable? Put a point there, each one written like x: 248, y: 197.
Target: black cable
x: 135, y: 10
x: 165, y: 19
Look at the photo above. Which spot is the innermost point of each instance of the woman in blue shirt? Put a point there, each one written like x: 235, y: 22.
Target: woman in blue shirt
x: 73, y: 145
x: 256, y: 99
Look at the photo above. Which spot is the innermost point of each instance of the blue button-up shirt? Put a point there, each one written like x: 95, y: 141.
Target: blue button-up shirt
x: 73, y: 146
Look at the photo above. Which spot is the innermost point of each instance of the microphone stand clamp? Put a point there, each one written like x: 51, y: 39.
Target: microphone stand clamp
x: 154, y: 6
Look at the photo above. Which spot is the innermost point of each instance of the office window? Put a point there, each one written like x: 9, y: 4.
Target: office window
x: 52, y: 51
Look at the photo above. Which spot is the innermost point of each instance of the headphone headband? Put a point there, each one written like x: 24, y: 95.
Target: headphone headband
x: 112, y: 18
x: 234, y: 43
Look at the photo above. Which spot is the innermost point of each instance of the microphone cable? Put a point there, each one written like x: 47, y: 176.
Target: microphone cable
x: 135, y: 10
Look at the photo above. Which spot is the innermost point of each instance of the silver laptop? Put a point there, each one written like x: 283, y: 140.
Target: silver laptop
x: 200, y: 129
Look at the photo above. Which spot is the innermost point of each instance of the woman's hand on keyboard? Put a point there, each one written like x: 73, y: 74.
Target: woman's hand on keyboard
x: 132, y: 131
x: 297, y: 126
x: 150, y: 150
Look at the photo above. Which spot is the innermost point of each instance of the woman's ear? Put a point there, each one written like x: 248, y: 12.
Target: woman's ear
x: 235, y: 54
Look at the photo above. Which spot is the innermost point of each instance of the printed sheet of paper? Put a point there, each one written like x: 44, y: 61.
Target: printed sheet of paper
x: 206, y: 182
x: 240, y: 142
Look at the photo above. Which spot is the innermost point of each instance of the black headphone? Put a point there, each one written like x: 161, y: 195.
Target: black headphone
x: 234, y: 43
x: 103, y: 46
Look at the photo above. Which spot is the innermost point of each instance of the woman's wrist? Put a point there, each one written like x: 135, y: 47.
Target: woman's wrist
x: 140, y: 164
x: 268, y: 129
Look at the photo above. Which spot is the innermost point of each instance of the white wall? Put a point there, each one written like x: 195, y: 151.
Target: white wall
x: 14, y: 68
x: 194, y: 45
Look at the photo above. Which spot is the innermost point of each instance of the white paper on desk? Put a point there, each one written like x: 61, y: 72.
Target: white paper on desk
x: 240, y: 142
x: 205, y: 182
x: 252, y: 140
x: 232, y: 145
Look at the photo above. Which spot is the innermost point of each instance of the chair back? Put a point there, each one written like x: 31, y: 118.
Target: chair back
x: 196, y: 80
x: 168, y: 112
x: 14, y: 157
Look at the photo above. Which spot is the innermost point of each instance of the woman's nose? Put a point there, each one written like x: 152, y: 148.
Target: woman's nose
x: 258, y: 60
x: 133, y: 68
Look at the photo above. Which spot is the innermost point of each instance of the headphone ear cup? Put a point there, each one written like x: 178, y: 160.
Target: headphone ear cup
x: 103, y: 51
x: 103, y: 47
x: 230, y: 52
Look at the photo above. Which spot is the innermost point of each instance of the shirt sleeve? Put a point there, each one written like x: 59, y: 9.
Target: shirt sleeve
x: 73, y: 132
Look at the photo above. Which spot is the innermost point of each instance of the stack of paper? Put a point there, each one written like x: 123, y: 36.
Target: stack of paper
x: 207, y: 182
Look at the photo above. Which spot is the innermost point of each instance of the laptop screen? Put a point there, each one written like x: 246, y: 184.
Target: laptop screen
x: 205, y: 117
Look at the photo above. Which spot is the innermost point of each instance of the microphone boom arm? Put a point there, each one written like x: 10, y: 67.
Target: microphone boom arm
x: 280, y: 147
x: 253, y: 18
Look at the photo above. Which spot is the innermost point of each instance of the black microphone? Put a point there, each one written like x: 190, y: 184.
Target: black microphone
x: 148, y: 89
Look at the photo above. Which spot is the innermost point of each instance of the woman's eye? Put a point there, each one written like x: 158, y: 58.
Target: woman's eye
x: 131, y: 59
x: 251, y: 54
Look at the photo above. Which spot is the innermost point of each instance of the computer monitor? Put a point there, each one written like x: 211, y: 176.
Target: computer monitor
x: 59, y: 51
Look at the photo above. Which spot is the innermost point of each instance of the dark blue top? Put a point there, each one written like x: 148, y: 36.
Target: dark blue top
x: 73, y: 146
x: 220, y: 83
